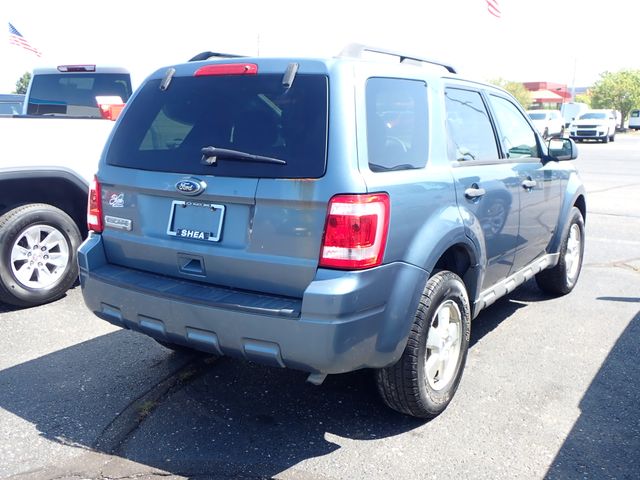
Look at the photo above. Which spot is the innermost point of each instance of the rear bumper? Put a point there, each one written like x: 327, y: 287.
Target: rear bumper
x: 344, y: 321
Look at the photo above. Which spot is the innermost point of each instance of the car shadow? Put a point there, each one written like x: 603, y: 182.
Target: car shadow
x: 231, y: 417
x: 242, y: 420
x: 7, y: 308
x: 608, y: 428
x: 235, y: 417
x: 490, y: 318
x: 71, y: 395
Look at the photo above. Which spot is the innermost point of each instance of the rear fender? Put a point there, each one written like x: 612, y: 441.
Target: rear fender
x: 443, y: 231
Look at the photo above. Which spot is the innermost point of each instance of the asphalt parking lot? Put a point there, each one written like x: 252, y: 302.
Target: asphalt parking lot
x: 551, y: 388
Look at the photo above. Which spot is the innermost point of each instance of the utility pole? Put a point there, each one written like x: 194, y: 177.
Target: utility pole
x: 573, y: 81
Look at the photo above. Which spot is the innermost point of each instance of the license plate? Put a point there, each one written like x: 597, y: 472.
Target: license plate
x: 195, y: 220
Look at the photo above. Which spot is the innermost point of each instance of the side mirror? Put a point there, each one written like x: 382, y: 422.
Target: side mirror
x: 562, y: 149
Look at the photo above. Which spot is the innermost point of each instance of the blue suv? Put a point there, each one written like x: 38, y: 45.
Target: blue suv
x: 328, y: 215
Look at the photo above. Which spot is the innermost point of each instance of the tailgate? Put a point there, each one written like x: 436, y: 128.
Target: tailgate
x: 248, y: 215
x: 223, y: 237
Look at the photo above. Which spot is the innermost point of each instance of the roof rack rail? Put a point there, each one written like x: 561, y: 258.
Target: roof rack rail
x: 355, y: 50
x: 208, y: 55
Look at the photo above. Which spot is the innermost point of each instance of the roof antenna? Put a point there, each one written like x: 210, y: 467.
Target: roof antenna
x: 289, y: 75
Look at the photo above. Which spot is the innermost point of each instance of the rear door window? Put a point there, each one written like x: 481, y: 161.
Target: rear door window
x: 74, y: 94
x: 397, y: 128
x: 254, y: 114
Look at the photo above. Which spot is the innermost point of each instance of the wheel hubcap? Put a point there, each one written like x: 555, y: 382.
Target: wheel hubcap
x: 443, y: 345
x: 573, y: 252
x: 39, y: 256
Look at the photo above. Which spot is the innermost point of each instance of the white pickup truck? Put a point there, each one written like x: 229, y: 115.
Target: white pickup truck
x: 48, y: 156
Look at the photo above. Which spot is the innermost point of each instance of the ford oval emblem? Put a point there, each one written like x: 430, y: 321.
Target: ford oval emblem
x: 191, y: 186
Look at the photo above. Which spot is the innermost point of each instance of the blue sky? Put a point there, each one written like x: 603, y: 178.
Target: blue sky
x: 553, y: 40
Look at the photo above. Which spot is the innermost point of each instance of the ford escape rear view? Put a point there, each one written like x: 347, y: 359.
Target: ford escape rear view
x: 327, y: 215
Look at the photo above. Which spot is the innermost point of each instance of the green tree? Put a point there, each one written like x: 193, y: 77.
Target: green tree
x: 618, y: 91
x: 584, y: 98
x: 516, y: 89
x: 23, y: 83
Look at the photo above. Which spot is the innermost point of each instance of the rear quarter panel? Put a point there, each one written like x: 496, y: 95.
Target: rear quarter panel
x: 425, y: 219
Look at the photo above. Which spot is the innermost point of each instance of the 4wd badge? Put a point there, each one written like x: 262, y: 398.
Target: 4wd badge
x: 191, y: 186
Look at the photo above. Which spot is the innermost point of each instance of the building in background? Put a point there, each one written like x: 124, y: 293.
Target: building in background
x: 547, y: 95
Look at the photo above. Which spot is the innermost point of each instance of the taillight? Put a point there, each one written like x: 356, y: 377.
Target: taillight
x: 110, y: 106
x: 355, y: 233
x: 111, y: 112
x: 227, y: 69
x: 94, y: 207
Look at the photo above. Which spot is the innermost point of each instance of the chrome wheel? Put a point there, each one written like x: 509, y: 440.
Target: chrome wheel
x: 573, y: 253
x: 39, y: 256
x: 444, y: 342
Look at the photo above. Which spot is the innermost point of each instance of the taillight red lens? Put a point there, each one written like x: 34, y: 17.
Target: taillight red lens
x: 355, y: 232
x: 228, y: 69
x: 94, y: 207
x: 111, y: 111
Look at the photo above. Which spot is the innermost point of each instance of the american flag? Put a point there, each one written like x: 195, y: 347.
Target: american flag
x: 493, y: 8
x: 15, y: 38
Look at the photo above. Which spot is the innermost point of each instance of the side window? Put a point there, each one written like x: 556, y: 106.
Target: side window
x: 518, y: 137
x: 397, y: 129
x: 469, y: 132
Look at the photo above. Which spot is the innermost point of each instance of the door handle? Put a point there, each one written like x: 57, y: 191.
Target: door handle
x: 474, y: 192
x: 529, y: 184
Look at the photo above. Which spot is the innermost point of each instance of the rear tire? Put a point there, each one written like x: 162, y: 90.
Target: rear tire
x: 38, y: 254
x: 562, y: 278
x: 423, y: 381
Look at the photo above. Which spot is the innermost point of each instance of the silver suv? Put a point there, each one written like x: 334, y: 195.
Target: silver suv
x: 327, y: 215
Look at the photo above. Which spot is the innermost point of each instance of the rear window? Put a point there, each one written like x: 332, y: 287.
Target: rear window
x: 537, y: 116
x: 74, y: 94
x: 635, y: 113
x: 255, y: 114
x: 397, y: 128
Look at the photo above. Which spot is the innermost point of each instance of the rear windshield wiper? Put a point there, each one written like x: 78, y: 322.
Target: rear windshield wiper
x: 210, y: 156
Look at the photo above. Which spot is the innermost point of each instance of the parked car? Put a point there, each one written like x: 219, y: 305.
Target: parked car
x: 571, y: 111
x: 618, y: 116
x: 634, y: 120
x: 327, y: 215
x: 47, y: 159
x: 548, y: 122
x: 11, y: 103
x: 594, y: 125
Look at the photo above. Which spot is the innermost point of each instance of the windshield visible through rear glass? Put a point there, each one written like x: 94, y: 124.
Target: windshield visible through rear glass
x: 254, y: 114
x: 74, y: 94
x: 593, y: 116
